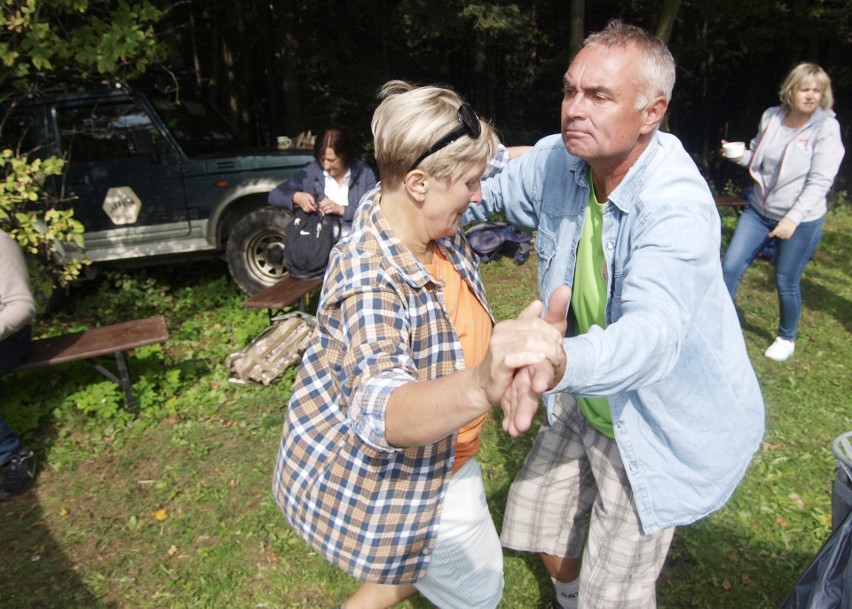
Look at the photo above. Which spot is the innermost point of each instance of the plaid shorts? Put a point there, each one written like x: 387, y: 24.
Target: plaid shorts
x: 574, y: 470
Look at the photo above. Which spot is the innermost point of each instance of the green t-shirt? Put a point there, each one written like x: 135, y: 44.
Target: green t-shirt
x: 588, y: 299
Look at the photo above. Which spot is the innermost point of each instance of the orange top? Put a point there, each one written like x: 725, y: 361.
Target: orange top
x: 473, y: 326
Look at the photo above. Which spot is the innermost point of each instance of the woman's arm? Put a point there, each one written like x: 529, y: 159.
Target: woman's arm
x: 828, y: 153
x: 424, y: 412
x: 389, y: 402
x: 301, y: 182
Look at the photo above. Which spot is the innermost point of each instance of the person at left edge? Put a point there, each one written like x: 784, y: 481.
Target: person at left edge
x: 377, y: 468
x: 17, y: 310
x: 333, y: 183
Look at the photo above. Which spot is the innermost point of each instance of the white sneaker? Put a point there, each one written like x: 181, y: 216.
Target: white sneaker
x: 781, y: 350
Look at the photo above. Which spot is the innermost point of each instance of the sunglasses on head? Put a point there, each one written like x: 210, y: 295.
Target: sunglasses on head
x: 468, y: 125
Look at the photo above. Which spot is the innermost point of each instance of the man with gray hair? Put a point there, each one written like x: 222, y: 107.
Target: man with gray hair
x: 659, y: 412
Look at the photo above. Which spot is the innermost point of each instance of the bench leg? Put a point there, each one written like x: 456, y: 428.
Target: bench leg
x: 301, y: 306
x: 123, y: 380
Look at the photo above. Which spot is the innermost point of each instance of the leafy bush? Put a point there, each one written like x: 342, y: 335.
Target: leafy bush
x: 40, y: 39
x: 48, y: 235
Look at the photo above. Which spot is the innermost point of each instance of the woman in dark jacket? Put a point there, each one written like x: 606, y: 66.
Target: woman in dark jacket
x: 333, y: 184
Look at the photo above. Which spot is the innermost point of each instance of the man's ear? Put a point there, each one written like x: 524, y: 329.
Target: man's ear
x: 416, y: 184
x: 654, y: 113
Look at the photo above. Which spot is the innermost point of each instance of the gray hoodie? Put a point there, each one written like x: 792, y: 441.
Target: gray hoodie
x: 809, y: 165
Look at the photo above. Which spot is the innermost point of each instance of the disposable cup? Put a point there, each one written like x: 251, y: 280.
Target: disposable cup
x: 733, y: 150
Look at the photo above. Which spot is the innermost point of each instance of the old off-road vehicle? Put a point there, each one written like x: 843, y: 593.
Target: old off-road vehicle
x: 154, y: 178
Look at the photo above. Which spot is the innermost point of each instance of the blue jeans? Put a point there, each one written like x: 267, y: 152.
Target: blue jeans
x: 751, y: 236
x: 12, y: 350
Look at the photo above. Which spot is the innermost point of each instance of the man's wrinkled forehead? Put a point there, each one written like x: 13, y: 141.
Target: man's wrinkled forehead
x: 588, y: 69
x: 603, y: 69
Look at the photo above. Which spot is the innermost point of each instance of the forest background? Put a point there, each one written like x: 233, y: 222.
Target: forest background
x: 173, y: 509
x: 280, y: 67
x: 283, y: 67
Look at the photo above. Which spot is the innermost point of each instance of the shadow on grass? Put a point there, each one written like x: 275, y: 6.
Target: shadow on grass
x: 817, y: 297
x: 713, y: 565
x: 36, y: 572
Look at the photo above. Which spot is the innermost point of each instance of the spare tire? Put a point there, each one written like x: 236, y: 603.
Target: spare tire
x: 255, y: 249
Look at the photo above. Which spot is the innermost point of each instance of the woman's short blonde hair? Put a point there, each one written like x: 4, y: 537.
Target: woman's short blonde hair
x: 797, y: 78
x: 411, y: 118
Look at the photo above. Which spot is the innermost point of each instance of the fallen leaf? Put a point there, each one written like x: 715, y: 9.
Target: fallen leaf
x: 63, y: 512
x: 746, y: 580
x: 726, y: 585
x: 734, y: 557
x: 767, y: 447
x: 782, y: 522
x: 172, y: 550
x: 795, y: 498
x: 161, y: 515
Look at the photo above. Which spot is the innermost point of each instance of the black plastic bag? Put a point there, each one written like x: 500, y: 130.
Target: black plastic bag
x: 827, y: 581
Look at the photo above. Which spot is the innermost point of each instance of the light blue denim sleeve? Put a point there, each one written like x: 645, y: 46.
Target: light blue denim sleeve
x: 516, y: 190
x: 665, y: 276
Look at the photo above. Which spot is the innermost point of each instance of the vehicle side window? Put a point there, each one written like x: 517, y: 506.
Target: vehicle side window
x: 19, y: 134
x: 102, y: 132
x: 197, y: 126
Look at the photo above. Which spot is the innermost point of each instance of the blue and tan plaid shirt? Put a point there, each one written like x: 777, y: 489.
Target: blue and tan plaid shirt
x: 369, y: 508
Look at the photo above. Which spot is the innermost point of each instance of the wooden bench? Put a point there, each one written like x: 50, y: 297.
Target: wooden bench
x: 285, y: 292
x: 114, y: 339
x: 738, y: 203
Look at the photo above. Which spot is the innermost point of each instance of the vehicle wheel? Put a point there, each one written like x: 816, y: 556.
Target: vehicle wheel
x: 255, y: 249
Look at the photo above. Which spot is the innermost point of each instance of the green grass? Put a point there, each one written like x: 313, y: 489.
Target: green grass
x: 174, y: 509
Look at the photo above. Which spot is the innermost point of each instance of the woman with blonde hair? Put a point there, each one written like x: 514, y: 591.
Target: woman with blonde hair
x: 793, y: 161
x: 377, y: 467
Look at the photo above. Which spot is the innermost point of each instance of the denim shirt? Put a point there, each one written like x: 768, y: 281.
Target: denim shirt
x: 686, y: 406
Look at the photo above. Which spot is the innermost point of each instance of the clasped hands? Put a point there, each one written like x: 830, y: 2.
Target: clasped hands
x: 526, y: 358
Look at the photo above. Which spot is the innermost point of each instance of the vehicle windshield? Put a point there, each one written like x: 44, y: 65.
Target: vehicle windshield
x: 197, y: 126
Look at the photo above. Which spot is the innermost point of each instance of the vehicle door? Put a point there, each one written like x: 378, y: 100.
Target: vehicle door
x: 123, y: 176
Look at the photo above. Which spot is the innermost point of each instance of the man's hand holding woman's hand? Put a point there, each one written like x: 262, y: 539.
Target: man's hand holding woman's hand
x: 527, y: 344
x: 520, y: 400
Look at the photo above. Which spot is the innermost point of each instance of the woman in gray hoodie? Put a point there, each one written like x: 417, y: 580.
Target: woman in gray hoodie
x: 793, y: 160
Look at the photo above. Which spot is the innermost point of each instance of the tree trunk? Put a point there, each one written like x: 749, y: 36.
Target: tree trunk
x: 576, y: 31
x: 668, y: 14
